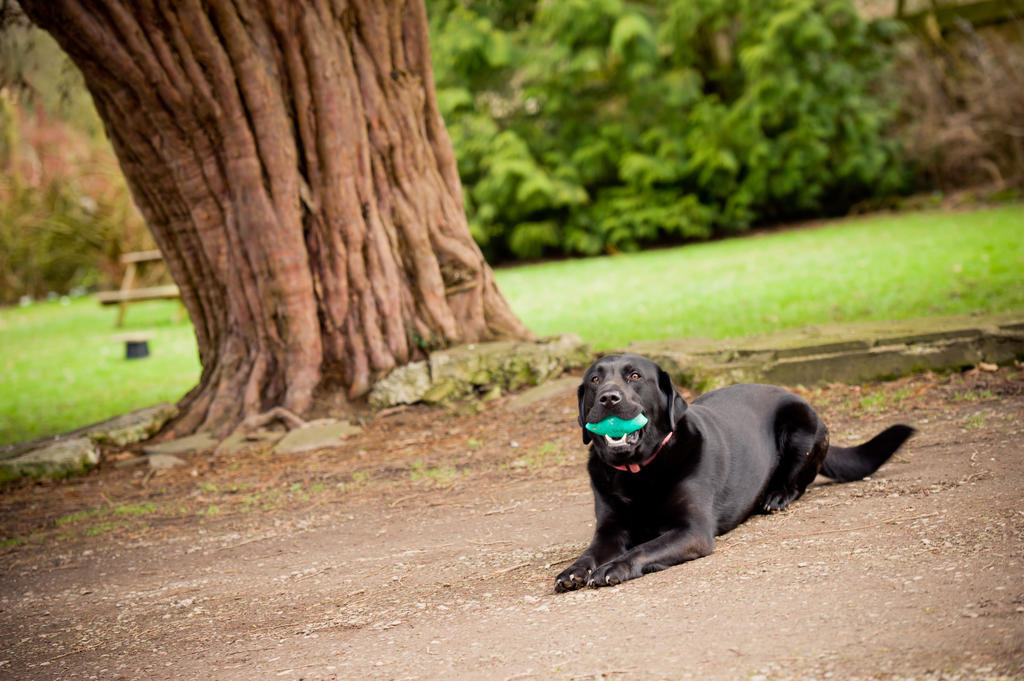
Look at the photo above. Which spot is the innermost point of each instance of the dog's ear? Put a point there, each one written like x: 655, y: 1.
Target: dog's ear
x: 675, y: 405
x: 580, y: 394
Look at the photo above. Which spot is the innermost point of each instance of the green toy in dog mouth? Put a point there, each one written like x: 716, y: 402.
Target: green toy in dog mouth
x: 616, y: 428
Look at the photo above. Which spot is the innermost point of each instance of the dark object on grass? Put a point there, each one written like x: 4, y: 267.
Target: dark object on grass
x: 136, y: 349
x: 136, y: 345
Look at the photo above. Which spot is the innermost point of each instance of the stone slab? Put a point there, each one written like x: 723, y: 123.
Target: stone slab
x: 57, y: 460
x: 191, y: 444
x: 162, y: 462
x: 133, y: 427
x: 477, y: 368
x: 315, y: 435
x: 242, y: 441
x: 406, y: 384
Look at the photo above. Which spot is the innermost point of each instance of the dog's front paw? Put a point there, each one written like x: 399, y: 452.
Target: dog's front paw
x: 612, y: 573
x: 575, y: 576
x: 778, y: 500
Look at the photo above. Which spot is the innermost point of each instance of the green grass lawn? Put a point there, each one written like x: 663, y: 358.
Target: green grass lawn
x: 872, y: 268
x: 61, y: 369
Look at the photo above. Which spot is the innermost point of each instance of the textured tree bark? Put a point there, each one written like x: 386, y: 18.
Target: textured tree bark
x: 291, y: 162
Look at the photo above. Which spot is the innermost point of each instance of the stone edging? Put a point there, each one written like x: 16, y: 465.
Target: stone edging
x: 847, y: 353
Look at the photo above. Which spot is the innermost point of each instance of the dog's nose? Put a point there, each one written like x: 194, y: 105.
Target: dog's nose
x: 610, y: 398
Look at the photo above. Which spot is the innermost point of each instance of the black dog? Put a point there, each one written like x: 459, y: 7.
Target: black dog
x: 663, y: 493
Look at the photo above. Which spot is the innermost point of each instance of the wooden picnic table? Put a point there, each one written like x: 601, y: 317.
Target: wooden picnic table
x: 128, y: 294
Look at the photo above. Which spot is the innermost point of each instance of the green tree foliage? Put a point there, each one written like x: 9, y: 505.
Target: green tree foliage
x: 589, y: 126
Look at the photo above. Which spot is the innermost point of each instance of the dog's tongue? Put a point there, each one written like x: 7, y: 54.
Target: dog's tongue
x: 633, y: 467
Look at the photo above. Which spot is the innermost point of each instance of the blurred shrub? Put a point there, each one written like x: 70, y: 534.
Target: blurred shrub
x: 962, y: 115
x: 588, y: 126
x: 66, y: 214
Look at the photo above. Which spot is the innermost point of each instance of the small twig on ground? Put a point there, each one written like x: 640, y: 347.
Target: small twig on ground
x: 313, y: 574
x: 81, y: 649
x: 383, y: 413
x: 504, y: 571
x: 247, y: 541
x: 281, y: 672
x: 247, y: 650
x: 506, y: 509
x: 425, y: 549
x: 355, y: 593
x: 271, y: 627
x: 601, y: 674
x: 431, y: 492
x: 728, y: 545
x: 407, y: 497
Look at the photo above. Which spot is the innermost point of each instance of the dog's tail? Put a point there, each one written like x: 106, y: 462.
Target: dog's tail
x: 846, y: 464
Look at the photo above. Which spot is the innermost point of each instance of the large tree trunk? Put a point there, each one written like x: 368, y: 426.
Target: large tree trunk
x: 292, y: 165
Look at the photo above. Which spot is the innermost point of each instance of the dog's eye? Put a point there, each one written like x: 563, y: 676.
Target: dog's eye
x: 634, y: 376
x: 595, y: 379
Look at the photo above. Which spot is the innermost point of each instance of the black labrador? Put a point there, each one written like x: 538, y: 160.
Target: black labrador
x: 662, y: 493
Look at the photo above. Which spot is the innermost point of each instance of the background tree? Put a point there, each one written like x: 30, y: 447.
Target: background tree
x: 292, y: 165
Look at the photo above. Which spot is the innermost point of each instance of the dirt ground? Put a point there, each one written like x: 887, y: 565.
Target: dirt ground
x: 425, y: 547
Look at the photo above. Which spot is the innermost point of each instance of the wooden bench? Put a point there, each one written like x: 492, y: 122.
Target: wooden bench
x: 126, y: 294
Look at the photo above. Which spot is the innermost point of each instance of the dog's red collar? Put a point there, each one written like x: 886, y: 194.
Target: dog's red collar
x: 635, y: 467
